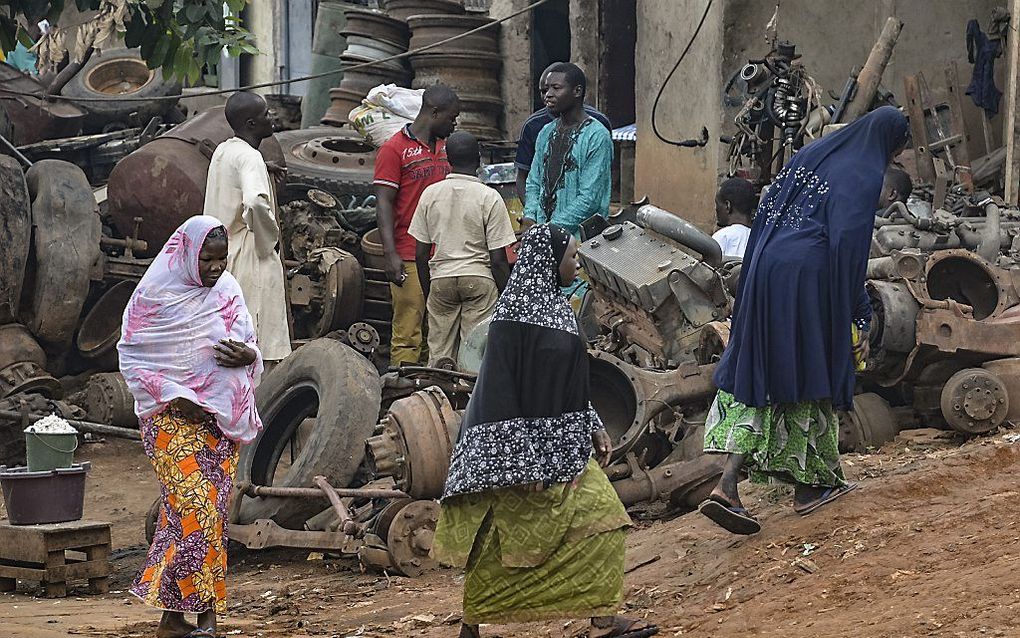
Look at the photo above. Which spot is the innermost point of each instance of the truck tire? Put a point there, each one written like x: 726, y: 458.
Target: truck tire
x: 15, y: 236
x: 341, y: 390
x: 120, y: 72
x: 66, y: 230
x: 332, y: 159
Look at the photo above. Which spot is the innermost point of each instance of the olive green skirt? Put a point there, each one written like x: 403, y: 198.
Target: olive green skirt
x: 537, y: 555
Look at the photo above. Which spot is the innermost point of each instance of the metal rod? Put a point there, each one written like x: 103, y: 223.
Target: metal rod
x: 14, y: 150
x: 338, y: 506
x: 82, y: 426
x: 314, y: 492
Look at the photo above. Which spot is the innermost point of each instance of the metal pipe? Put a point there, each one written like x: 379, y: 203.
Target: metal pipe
x: 15, y: 152
x: 314, y: 492
x: 881, y: 268
x: 681, y: 231
x: 656, y: 483
x: 82, y: 426
x: 991, y: 241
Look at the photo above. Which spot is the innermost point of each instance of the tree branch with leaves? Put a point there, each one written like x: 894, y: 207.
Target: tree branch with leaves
x: 179, y: 36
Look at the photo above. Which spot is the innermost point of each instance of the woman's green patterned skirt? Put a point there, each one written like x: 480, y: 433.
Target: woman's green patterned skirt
x: 534, y: 556
x: 792, y: 443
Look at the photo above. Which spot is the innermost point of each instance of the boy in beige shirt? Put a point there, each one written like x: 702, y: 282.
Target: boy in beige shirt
x: 465, y: 227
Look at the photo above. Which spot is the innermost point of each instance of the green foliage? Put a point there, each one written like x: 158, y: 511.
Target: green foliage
x: 179, y: 36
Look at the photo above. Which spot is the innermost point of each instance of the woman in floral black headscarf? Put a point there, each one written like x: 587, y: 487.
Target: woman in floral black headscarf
x: 526, y: 509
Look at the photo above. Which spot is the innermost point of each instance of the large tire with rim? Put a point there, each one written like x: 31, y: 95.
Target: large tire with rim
x: 336, y: 160
x: 120, y: 73
x: 338, y: 388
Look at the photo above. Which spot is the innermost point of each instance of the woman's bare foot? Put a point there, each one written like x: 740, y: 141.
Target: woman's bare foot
x: 469, y: 631
x: 173, y: 625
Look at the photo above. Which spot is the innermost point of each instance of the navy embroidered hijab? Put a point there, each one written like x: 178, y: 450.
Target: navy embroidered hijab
x: 529, y: 419
x: 802, y: 282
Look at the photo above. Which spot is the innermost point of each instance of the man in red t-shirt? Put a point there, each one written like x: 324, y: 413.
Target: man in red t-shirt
x: 405, y: 165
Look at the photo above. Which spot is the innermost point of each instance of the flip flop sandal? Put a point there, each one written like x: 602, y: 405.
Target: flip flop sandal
x: 200, y: 633
x: 732, y: 519
x: 626, y: 626
x: 829, y: 495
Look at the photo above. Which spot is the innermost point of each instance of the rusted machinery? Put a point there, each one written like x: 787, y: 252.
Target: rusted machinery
x: 652, y: 309
x: 179, y: 163
x: 946, y: 328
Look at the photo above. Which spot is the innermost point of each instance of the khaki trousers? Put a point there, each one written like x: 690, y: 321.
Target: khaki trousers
x: 455, y: 306
x: 406, y: 343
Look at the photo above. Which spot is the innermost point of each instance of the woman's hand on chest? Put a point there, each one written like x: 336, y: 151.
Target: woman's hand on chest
x: 233, y: 354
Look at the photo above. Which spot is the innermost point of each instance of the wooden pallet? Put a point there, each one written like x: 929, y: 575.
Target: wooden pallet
x: 52, y: 555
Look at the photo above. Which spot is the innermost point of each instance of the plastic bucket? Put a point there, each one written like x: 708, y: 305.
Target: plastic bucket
x: 34, y: 498
x: 47, y: 452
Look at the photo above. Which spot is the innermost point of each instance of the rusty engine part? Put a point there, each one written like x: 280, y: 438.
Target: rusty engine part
x: 95, y: 154
x: 35, y: 118
x: 974, y: 401
x: 175, y: 166
x: 628, y: 399
x: 404, y: 9
x: 16, y: 231
x: 374, y: 34
x: 774, y: 106
x: 408, y: 537
x: 871, y: 423
x: 326, y: 293
x: 119, y: 73
x: 99, y: 331
x: 652, y: 309
x: 23, y: 364
x: 108, y: 400
x: 378, y: 306
x: 414, y: 441
x: 940, y: 313
x: 470, y: 66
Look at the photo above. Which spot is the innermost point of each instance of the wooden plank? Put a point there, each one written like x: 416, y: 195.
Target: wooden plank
x: 34, y: 542
x: 76, y: 571
x: 918, y: 129
x: 22, y: 573
x: 961, y: 151
x: 1011, y: 132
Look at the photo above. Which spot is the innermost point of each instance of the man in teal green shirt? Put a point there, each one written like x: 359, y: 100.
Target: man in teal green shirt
x: 570, y: 178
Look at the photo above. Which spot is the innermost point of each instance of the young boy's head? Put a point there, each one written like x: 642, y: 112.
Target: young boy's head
x: 735, y: 202
x: 462, y: 152
x: 896, y: 187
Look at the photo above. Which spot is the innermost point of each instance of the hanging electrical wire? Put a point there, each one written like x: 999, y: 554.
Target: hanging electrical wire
x: 703, y: 140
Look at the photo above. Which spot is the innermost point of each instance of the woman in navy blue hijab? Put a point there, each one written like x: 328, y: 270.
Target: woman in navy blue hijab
x: 789, y: 363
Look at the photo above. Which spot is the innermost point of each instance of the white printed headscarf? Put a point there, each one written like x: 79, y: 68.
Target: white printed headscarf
x: 170, y: 327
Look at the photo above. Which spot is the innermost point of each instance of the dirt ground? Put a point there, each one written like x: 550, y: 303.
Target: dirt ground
x: 929, y: 545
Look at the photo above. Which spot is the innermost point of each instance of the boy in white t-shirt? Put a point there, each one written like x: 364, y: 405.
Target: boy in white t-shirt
x: 734, y: 209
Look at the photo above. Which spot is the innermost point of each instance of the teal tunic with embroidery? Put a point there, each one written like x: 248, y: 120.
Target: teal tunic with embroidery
x: 586, y: 183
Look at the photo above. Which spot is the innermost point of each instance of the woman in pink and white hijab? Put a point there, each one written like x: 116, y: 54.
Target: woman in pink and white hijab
x: 188, y: 355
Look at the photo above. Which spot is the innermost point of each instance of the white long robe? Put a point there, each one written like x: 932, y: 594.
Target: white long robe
x: 240, y: 194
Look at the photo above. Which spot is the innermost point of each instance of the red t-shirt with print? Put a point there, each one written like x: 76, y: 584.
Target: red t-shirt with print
x: 409, y: 166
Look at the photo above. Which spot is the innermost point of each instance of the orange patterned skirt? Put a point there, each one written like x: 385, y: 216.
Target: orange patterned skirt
x: 186, y: 567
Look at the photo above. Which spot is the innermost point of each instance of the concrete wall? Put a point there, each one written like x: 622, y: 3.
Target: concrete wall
x: 263, y: 20
x: 515, y: 44
x: 680, y: 180
x: 833, y: 37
